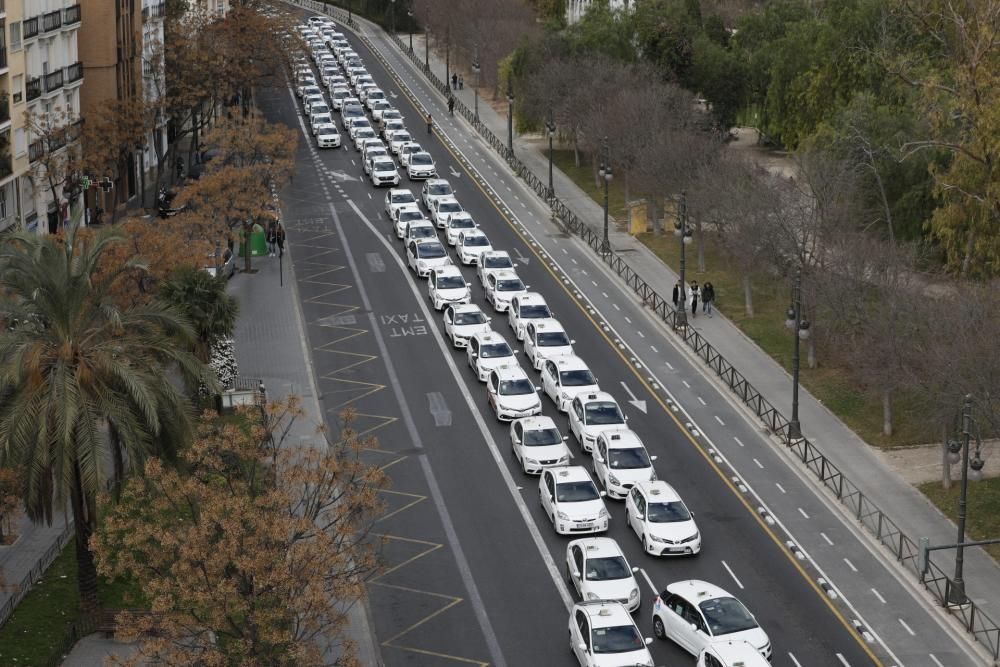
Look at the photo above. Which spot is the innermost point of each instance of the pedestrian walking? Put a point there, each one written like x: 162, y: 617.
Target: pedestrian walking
x: 707, y: 298
x: 430, y: 124
x: 451, y: 104
x: 454, y: 82
x: 279, y: 238
x: 694, y: 298
x: 677, y: 294
x: 461, y: 82
x: 272, y: 237
x: 230, y: 242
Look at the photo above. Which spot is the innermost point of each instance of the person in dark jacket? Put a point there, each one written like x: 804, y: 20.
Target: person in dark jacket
x: 694, y: 298
x: 271, y: 235
x: 677, y: 294
x: 707, y: 298
x: 279, y: 239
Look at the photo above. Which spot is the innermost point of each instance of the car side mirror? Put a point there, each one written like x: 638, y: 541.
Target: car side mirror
x: 473, y: 354
x: 649, y: 640
x: 489, y: 319
x: 538, y: 388
x: 598, y: 459
x: 653, y: 458
x: 513, y: 265
x: 582, y: 646
x: 517, y: 440
x: 626, y: 417
x: 634, y: 570
x: 565, y: 438
x: 576, y: 574
x: 694, y: 626
x: 468, y: 284
x: 604, y: 494
x: 517, y: 351
x: 572, y: 341
x: 527, y: 287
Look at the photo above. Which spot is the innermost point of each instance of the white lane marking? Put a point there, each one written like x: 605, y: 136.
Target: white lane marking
x: 759, y: 464
x: 669, y: 365
x: 702, y: 401
x: 794, y: 659
x: 605, y: 294
x: 907, y: 628
x: 594, y: 283
x: 843, y: 660
x: 879, y: 596
x: 738, y: 582
x: 803, y: 513
x: 780, y: 487
x: 828, y: 540
x: 851, y: 565
x: 738, y: 441
x: 369, y: 195
x: 628, y: 320
x: 565, y: 252
x: 936, y: 661
x: 719, y: 419
x: 573, y: 260
x: 653, y: 348
x: 649, y: 581
x: 616, y: 306
x: 641, y: 335
x: 686, y: 384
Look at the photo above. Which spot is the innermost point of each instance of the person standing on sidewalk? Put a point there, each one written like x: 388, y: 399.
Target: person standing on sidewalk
x: 451, y: 104
x: 271, y: 236
x: 279, y: 238
x: 694, y: 298
x: 430, y: 124
x: 707, y: 297
x: 677, y: 294
x: 454, y: 82
x: 461, y: 82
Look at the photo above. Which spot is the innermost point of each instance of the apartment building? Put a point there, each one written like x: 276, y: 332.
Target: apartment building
x: 575, y: 9
x: 13, y: 145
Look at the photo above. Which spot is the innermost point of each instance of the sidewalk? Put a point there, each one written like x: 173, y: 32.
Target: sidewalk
x: 270, y: 346
x: 33, y: 542
x: 861, y: 463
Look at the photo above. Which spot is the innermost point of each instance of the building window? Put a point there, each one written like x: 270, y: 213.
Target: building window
x: 20, y: 142
x: 3, y: 203
x: 16, y: 93
x: 15, y: 36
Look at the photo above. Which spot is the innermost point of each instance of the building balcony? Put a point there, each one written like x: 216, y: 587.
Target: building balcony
x: 71, y: 15
x: 4, y: 107
x: 3, y: 51
x: 154, y: 11
x: 3, y: 8
x: 53, y: 81
x: 35, y: 150
x: 6, y: 160
x: 33, y: 89
x: 73, y: 73
x: 52, y: 21
x: 29, y: 28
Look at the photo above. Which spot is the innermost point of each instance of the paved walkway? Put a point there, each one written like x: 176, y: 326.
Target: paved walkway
x: 19, y: 558
x: 861, y: 463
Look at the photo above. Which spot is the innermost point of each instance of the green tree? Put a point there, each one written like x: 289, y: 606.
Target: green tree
x: 720, y: 76
x: 204, y: 301
x: 665, y: 31
x: 83, y: 380
x: 603, y: 30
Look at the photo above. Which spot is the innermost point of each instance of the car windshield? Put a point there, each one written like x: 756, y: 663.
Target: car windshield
x: 406, y: 216
x: 376, y: 151
x: 461, y: 223
x: 619, y: 639
x: 439, y: 189
x: 626, y: 459
x: 422, y: 232
x: 542, y: 437
x: 394, y: 126
x: 673, y: 512
x: 576, y: 492
x: 384, y: 166
x: 421, y: 158
x: 353, y: 112
x: 580, y: 378
x: 400, y: 136
x: 450, y: 282
x: 430, y: 250
x: 494, y: 350
x: 376, y: 95
x: 340, y: 94
x: 519, y: 387
x: 535, y: 311
x: 470, y: 318
x: 607, y: 569
x: 402, y: 197
x: 449, y: 207
x: 498, y: 262
x: 476, y: 240
x: 510, y: 285
x: 603, y: 412
x: 726, y: 615
x: 366, y: 133
x: 552, y: 338
x: 360, y: 123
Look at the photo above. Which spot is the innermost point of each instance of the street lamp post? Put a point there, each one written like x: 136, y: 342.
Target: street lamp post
x: 681, y: 230
x: 447, y: 58
x: 956, y: 593
x: 800, y: 327
x: 606, y: 176
x: 510, y: 115
x: 427, y: 50
x: 350, y: 10
x: 550, y: 128
x: 476, y: 68
x: 392, y: 18
x: 409, y: 17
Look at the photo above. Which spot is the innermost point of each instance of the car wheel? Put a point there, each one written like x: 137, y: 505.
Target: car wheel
x: 569, y: 578
x: 645, y: 544
x: 658, y: 629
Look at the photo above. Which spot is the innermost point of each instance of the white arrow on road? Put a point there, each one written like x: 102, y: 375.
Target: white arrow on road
x: 453, y: 172
x: 519, y: 257
x: 632, y: 399
x: 394, y: 95
x: 341, y: 176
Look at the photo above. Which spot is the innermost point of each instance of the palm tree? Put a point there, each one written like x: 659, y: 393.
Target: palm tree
x: 83, y: 384
x: 202, y: 297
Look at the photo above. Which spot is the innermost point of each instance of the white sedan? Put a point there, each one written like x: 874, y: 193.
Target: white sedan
x: 728, y: 654
x: 563, y: 378
x: 546, y: 339
x: 590, y: 414
x: 471, y: 243
x: 523, y: 308
x: 696, y: 613
x: 397, y: 139
x: 511, y: 393
x: 447, y: 285
x: 537, y: 444
x: 494, y: 260
x: 621, y: 462
x: 571, y: 501
x: 502, y: 287
x: 597, y: 569
x: 462, y: 322
x: 487, y: 350
x: 434, y: 189
x: 423, y: 255
x: 443, y: 208
x: 457, y: 223
x: 396, y: 199
x: 420, y: 166
x: 405, y: 216
x: 363, y: 135
x: 603, y: 634
x: 661, y: 520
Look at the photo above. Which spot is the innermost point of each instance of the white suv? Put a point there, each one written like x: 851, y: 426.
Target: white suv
x: 446, y: 286
x: 661, y: 520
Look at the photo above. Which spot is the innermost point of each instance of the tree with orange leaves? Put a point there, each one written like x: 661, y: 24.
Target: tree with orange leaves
x: 115, y: 130
x: 252, y: 550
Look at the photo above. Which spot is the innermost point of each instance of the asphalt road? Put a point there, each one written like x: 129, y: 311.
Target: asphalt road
x: 474, y: 566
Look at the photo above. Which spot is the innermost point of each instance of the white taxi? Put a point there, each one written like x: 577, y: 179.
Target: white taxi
x: 502, y: 287
x: 511, y: 393
x: 731, y: 654
x: 546, y: 339
x: 590, y: 414
x: 447, y: 285
x: 405, y: 216
x: 424, y: 255
x: 494, y: 260
x: 661, y: 520
x: 327, y: 136
x: 457, y: 223
x: 563, y: 378
x: 537, y: 444
x: 420, y: 166
x: 597, y: 569
x: 396, y: 199
x: 571, y: 501
x: 471, y: 243
x: 486, y: 351
x: 525, y: 307
x: 696, y: 613
x: 434, y: 189
x: 419, y: 229
x: 621, y: 461
x: 443, y: 208
x: 461, y: 322
x: 603, y: 634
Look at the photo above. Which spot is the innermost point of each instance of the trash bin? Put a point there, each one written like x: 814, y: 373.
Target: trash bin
x: 258, y: 242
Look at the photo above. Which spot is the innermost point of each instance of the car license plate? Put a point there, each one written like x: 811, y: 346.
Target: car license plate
x: 585, y: 524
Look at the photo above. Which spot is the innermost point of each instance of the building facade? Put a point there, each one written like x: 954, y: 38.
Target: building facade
x: 575, y: 9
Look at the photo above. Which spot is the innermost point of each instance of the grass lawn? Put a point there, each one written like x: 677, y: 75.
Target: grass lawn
x: 859, y: 408
x: 983, y: 522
